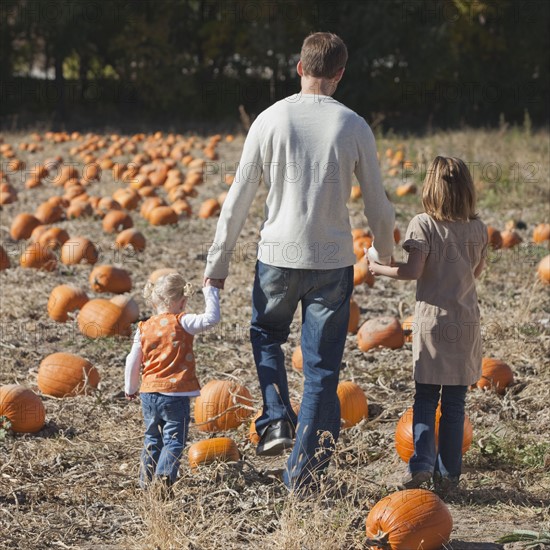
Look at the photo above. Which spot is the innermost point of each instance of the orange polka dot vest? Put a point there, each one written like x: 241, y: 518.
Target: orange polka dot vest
x: 168, y: 359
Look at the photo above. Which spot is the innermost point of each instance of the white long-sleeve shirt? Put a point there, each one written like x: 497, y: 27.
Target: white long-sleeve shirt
x: 307, y: 148
x: 191, y: 322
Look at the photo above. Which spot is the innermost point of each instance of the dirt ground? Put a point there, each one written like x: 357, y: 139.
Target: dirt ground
x: 74, y: 483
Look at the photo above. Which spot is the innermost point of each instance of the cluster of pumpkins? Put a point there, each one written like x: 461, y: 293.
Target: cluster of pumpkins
x: 396, y: 165
x: 161, y: 176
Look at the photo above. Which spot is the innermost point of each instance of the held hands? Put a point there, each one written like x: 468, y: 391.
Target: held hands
x: 218, y: 283
x: 372, y: 260
x: 130, y: 397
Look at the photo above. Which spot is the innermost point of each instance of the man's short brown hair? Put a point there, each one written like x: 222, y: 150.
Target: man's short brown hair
x: 323, y: 55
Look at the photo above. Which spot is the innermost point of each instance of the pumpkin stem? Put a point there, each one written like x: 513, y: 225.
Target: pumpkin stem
x: 380, y: 541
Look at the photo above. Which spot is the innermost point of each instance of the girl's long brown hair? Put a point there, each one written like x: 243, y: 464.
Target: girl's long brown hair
x: 449, y: 193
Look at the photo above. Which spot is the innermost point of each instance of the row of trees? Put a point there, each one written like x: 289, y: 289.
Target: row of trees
x: 412, y: 62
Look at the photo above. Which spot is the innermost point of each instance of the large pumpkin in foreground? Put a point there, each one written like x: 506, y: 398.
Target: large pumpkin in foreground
x: 22, y: 407
x: 65, y: 375
x: 409, y: 520
x: 216, y: 449
x: 404, y: 444
x: 222, y: 405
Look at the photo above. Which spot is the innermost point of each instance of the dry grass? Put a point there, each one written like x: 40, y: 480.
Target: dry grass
x: 74, y: 485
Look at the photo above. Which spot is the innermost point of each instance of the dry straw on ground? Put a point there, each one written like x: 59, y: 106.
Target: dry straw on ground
x: 74, y: 485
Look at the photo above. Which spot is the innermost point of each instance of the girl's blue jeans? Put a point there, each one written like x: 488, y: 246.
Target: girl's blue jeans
x: 444, y: 457
x: 166, y: 423
x: 324, y: 296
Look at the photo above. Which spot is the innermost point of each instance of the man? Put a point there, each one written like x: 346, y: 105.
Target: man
x: 307, y: 148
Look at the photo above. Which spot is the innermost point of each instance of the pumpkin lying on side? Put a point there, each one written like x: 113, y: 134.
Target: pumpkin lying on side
x: 63, y: 300
x: 495, y: 375
x: 415, y: 518
x: 216, y: 449
x: 106, y: 278
x: 222, y: 405
x: 66, y: 375
x: 101, y: 318
x: 383, y: 332
x: 79, y: 250
x: 23, y: 408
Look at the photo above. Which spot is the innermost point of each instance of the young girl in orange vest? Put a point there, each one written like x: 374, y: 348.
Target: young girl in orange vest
x: 446, y: 249
x: 163, y: 346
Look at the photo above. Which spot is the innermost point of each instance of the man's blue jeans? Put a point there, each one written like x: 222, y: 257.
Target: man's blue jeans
x: 166, y: 423
x: 445, y: 458
x: 324, y: 296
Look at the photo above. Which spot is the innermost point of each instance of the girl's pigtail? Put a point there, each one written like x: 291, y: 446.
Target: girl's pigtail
x: 148, y: 292
x: 188, y: 290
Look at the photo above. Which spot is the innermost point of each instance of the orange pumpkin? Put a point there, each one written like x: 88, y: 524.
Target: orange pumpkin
x: 66, y: 375
x: 380, y: 332
x: 105, y: 205
x: 404, y: 444
x: 495, y: 375
x: 127, y: 198
x: 23, y: 225
x: 298, y: 359
x: 361, y: 274
x: 355, y: 192
x: 543, y: 270
x: 23, y: 408
x: 129, y: 307
x: 353, y: 403
x: 358, y: 233
x: 209, y: 208
x: 100, y: 318
x: 495, y: 238
x: 131, y: 237
x: 510, y: 239
x: 78, y: 209
x: 106, y: 278
x: 411, y: 519
x: 116, y: 220
x: 163, y: 215
x: 359, y: 246
x: 53, y: 237
x: 182, y: 207
x: 79, y: 250
x: 149, y: 204
x: 354, y: 313
x: 37, y: 256
x: 48, y: 212
x: 64, y: 299
x: 541, y: 233
x: 405, y: 189
x: 216, y: 449
x: 4, y: 259
x: 222, y: 405
x: 396, y: 235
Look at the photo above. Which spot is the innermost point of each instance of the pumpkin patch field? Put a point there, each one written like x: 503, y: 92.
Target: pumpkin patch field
x: 87, y: 219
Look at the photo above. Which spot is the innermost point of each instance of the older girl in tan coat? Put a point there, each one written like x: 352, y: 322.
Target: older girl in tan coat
x: 446, y: 247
